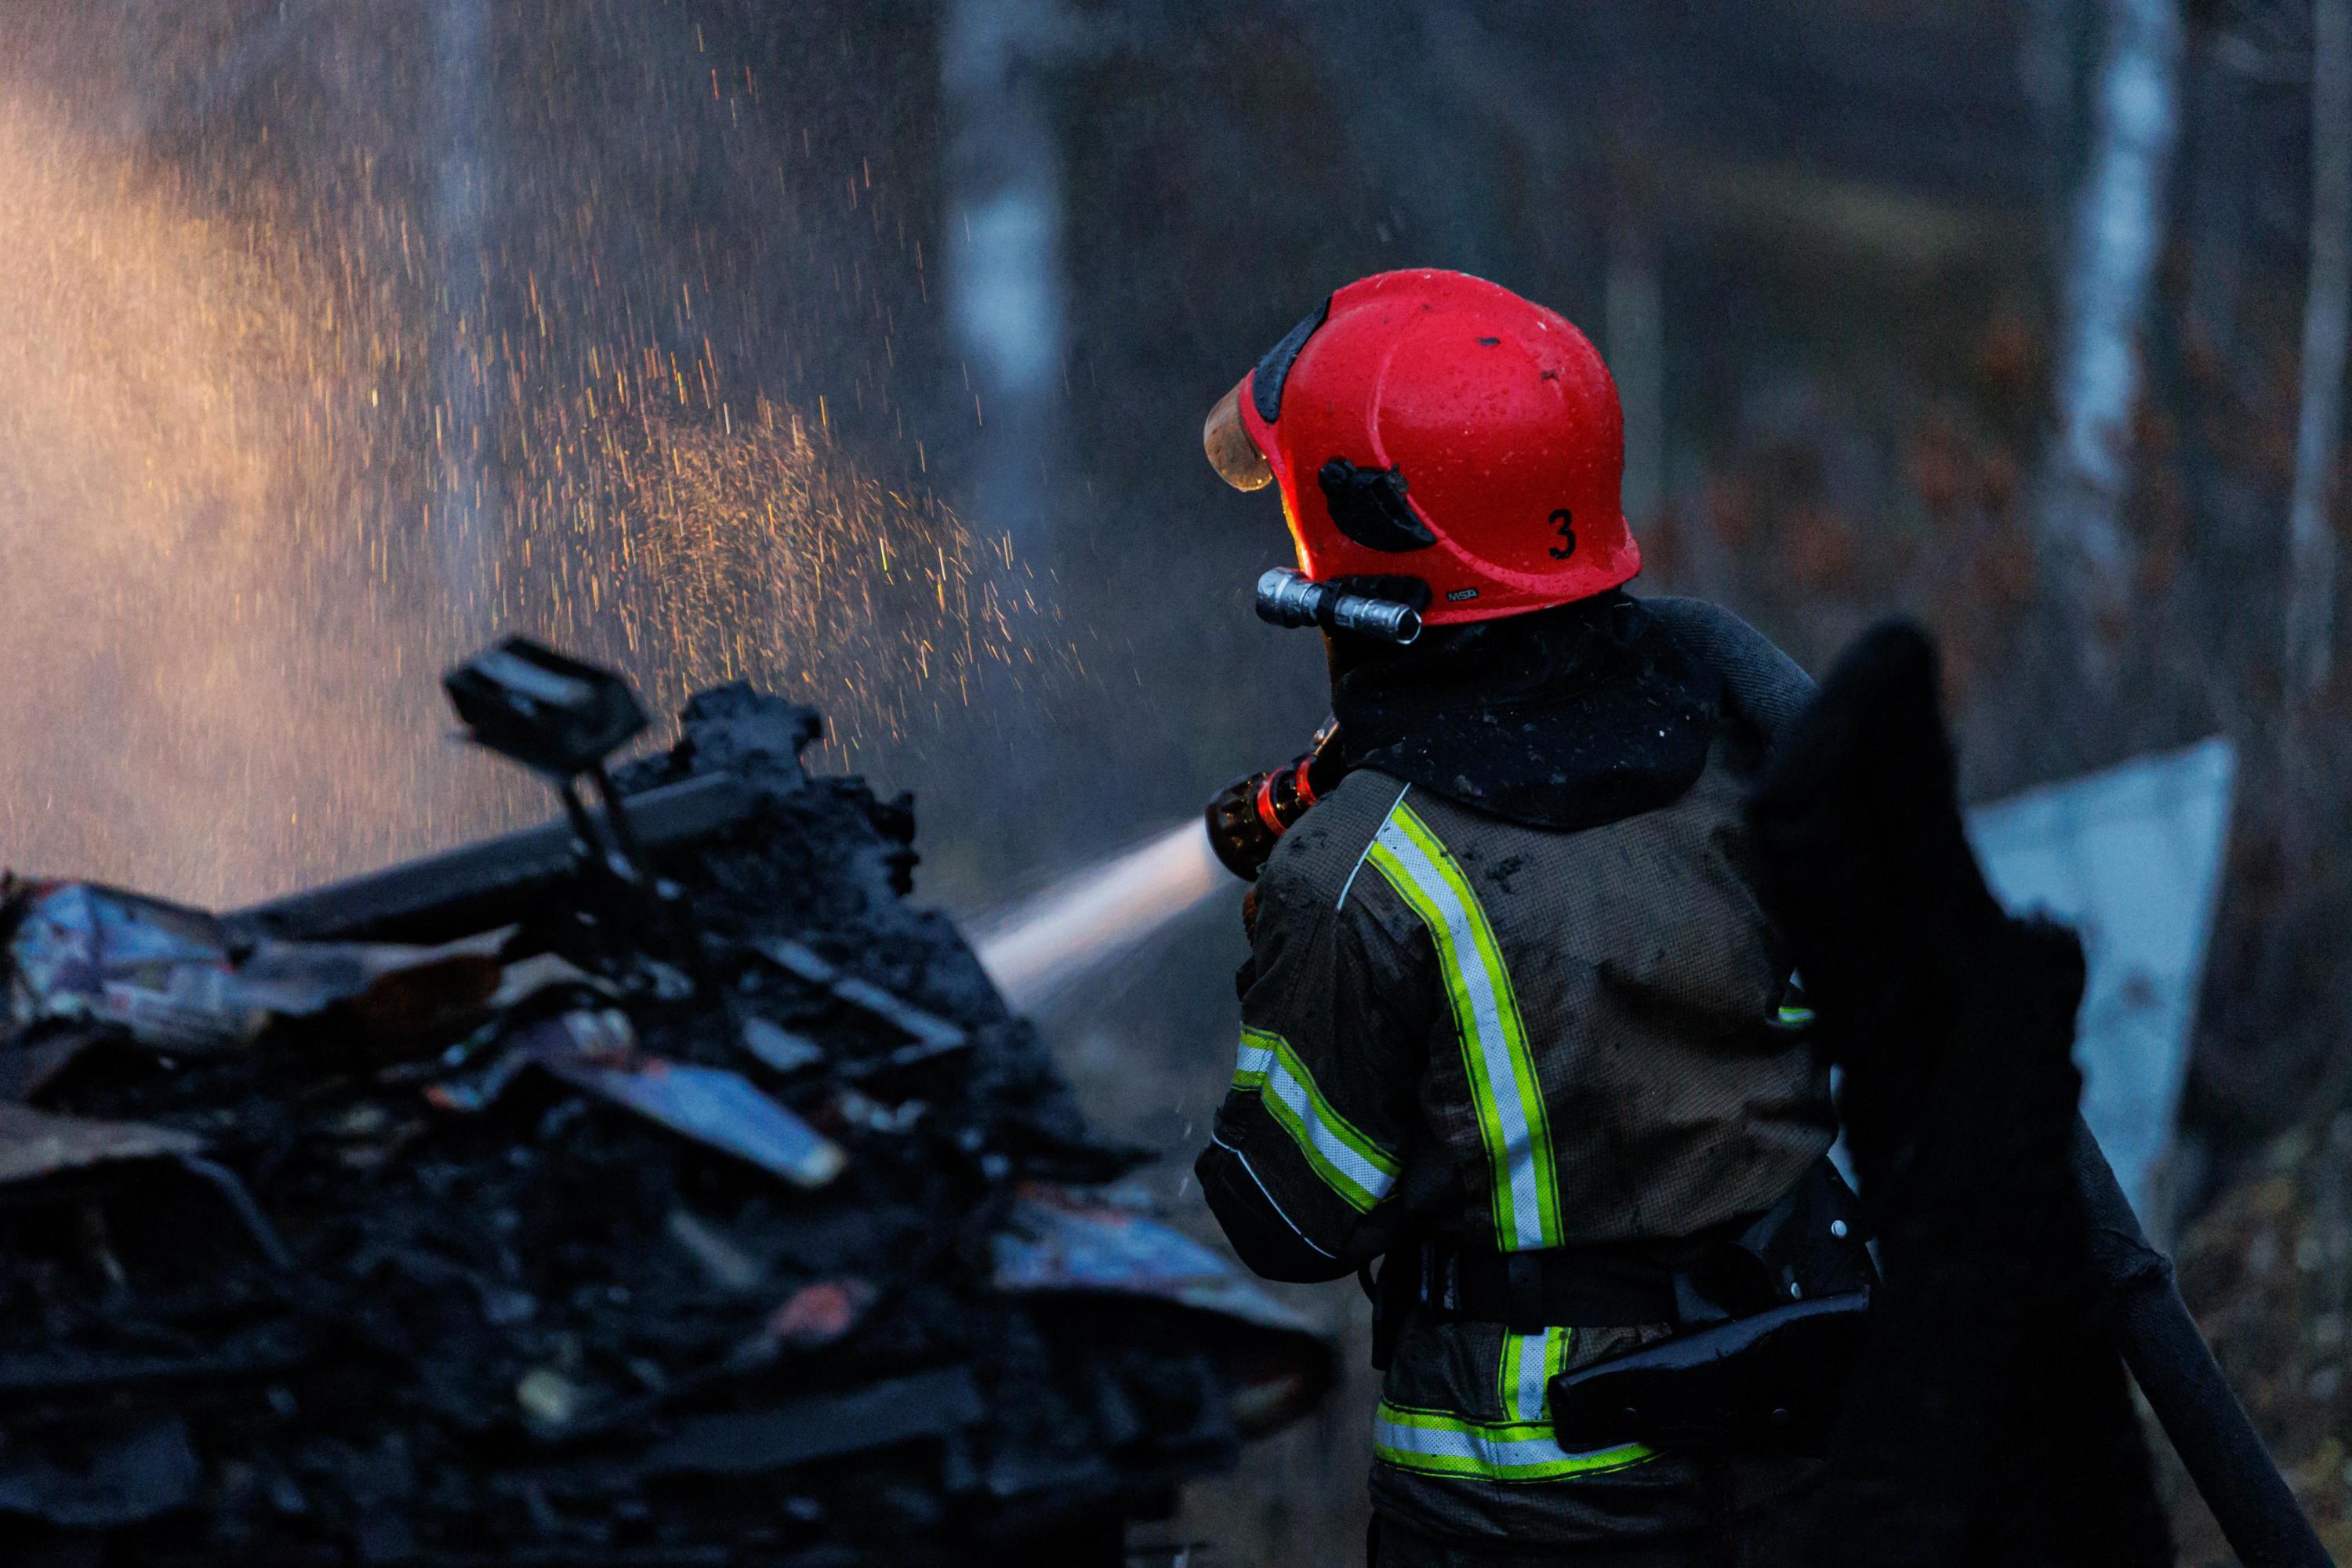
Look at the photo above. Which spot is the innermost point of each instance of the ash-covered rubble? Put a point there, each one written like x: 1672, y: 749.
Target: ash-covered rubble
x: 499, y: 1210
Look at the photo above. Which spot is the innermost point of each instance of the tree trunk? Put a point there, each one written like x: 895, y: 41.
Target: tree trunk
x: 463, y: 520
x: 1635, y: 320
x: 2311, y: 537
x: 2118, y: 231
x: 1004, y: 226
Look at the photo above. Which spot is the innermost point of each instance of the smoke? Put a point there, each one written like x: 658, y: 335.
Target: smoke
x: 224, y: 584
x: 190, y: 633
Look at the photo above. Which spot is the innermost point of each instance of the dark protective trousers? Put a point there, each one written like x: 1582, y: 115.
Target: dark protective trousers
x: 1759, y: 1520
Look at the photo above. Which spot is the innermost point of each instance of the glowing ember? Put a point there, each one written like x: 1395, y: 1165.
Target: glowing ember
x: 689, y: 549
x: 236, y: 427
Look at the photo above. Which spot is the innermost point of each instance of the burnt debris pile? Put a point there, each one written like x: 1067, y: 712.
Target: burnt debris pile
x: 659, y: 1187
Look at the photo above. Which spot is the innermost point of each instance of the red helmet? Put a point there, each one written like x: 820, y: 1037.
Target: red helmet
x: 1433, y: 425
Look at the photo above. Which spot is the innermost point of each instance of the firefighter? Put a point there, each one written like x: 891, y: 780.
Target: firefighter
x: 1516, y: 1031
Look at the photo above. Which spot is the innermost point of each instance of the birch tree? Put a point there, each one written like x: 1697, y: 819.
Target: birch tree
x: 2118, y: 231
x: 2311, y: 537
x: 1004, y: 218
x: 463, y: 537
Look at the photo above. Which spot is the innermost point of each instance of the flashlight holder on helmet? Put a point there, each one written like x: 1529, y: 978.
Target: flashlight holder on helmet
x: 1289, y: 599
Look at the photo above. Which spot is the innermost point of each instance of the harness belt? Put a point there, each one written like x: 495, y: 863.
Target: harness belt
x: 1582, y: 1286
x: 1809, y: 1244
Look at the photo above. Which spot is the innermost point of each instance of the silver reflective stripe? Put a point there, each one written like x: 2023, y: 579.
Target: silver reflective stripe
x: 1358, y: 866
x: 1489, y: 1451
x: 1269, y: 1196
x: 1348, y: 1161
x: 1470, y: 975
x: 1374, y: 1181
x: 1527, y: 1390
x: 1442, y: 1446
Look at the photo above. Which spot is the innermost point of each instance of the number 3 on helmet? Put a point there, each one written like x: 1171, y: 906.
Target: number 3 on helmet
x: 1435, y: 426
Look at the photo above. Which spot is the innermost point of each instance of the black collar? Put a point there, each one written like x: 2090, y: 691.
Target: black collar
x: 1564, y: 718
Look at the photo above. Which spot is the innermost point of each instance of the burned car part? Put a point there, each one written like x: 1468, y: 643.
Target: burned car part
x: 498, y: 881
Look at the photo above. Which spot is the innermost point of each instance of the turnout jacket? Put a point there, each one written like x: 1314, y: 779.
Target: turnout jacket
x: 1517, y: 1038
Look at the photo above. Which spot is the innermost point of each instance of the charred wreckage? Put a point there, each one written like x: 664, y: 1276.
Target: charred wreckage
x: 654, y: 1187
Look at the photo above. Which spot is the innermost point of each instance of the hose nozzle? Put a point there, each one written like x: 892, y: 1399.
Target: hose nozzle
x: 1289, y: 599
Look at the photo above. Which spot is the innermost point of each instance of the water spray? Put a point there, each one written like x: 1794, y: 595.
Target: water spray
x: 1038, y: 948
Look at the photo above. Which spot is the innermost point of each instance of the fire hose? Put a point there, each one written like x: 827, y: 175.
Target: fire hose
x: 2175, y: 1369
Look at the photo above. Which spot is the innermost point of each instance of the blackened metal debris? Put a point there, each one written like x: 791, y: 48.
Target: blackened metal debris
x: 580, y: 1242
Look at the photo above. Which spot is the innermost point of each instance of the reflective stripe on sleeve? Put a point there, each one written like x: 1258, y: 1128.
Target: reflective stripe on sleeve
x: 1431, y: 1443
x: 1350, y: 1163
x: 1508, y: 1101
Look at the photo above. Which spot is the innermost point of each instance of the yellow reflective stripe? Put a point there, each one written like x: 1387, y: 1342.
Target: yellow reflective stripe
x: 1528, y: 1363
x: 1358, y: 1170
x: 1535, y: 1158
x: 1434, y: 1443
x: 1503, y: 1087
